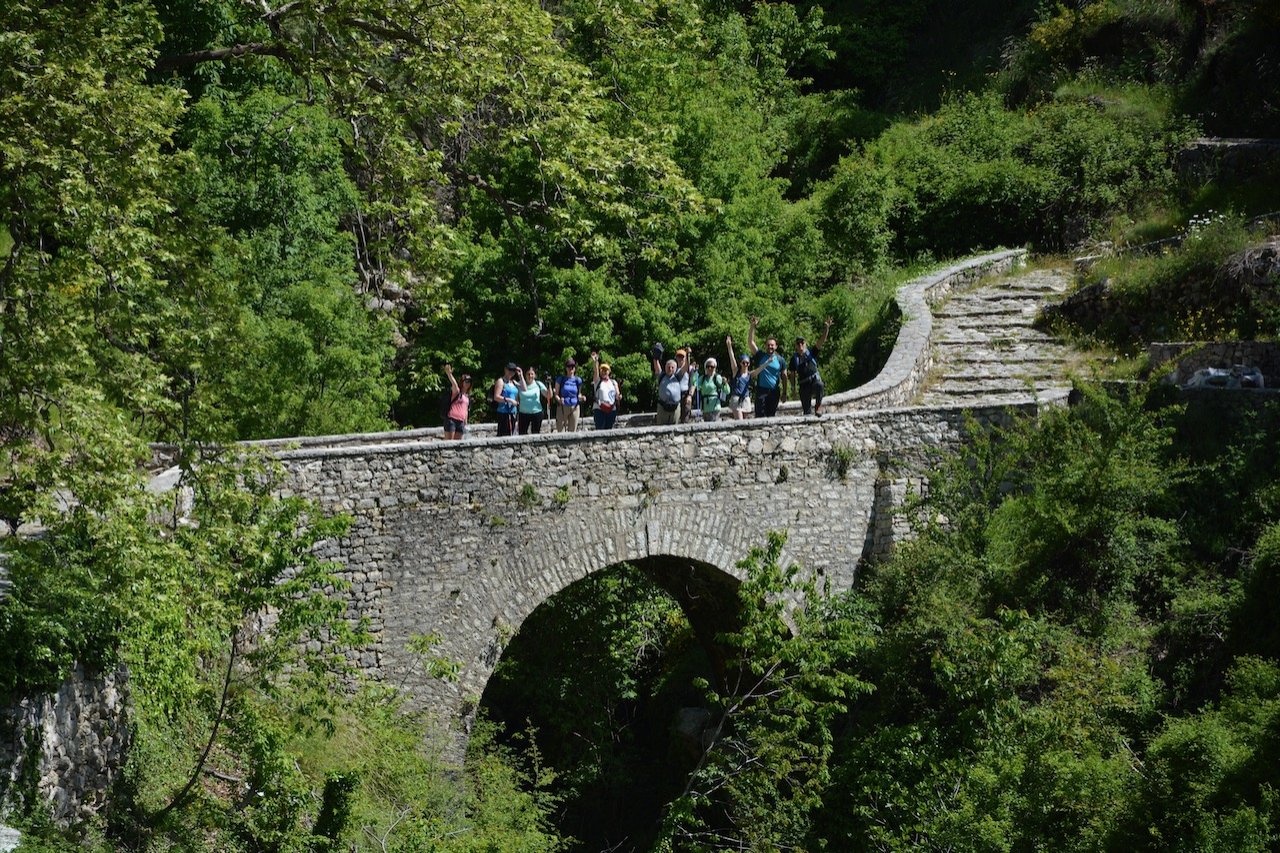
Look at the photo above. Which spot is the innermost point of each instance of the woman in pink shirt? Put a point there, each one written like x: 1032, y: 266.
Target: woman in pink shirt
x: 455, y: 419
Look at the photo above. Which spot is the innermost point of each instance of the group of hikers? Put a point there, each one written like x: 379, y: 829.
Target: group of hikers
x: 684, y: 392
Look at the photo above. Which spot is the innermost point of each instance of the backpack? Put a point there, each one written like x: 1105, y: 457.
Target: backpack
x: 806, y: 366
x: 446, y: 401
x: 722, y: 386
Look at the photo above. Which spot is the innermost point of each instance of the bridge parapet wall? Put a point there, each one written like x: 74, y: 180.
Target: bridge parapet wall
x: 898, y: 383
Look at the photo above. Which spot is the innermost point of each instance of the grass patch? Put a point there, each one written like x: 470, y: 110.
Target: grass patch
x: 1181, y: 293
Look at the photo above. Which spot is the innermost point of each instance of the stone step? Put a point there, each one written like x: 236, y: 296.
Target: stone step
x: 990, y: 321
x: 1002, y: 372
x: 969, y: 388
x: 1039, y: 286
x: 931, y: 399
x: 990, y: 337
x: 949, y: 311
x: 1027, y: 353
x: 987, y: 298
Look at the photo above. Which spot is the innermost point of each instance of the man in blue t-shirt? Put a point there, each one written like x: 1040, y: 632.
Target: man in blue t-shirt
x: 804, y: 372
x: 770, y: 373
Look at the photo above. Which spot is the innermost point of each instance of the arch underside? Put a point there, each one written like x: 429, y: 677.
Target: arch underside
x: 696, y: 564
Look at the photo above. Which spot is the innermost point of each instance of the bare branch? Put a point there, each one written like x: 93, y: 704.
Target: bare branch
x: 186, y: 60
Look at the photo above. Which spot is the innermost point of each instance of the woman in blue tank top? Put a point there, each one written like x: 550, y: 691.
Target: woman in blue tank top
x: 503, y: 396
x: 740, y: 387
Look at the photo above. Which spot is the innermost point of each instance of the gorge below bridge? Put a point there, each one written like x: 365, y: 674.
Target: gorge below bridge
x: 464, y: 540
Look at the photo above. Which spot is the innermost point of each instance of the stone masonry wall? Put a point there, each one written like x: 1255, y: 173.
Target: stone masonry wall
x: 1228, y: 159
x: 65, y: 748
x: 465, y: 540
x: 1187, y: 358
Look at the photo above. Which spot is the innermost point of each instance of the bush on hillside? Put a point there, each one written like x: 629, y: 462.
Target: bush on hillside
x: 977, y: 174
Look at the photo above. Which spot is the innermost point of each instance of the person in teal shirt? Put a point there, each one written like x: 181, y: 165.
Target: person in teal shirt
x: 532, y: 401
x: 712, y: 388
x: 770, y: 373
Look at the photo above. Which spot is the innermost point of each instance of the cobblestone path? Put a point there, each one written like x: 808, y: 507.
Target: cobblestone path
x: 985, y: 349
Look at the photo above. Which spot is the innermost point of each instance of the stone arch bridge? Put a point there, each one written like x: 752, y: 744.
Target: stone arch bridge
x: 464, y: 540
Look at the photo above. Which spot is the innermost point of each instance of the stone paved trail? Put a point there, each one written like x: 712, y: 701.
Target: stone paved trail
x: 985, y: 349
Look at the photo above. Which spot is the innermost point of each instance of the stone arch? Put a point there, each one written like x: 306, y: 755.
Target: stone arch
x: 665, y: 539
x: 654, y: 533
x: 707, y: 596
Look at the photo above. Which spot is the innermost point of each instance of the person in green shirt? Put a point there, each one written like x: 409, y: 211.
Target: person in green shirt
x: 712, y: 388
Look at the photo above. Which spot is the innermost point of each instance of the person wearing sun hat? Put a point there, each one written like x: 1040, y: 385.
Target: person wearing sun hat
x: 568, y: 396
x: 740, y: 387
x: 608, y: 392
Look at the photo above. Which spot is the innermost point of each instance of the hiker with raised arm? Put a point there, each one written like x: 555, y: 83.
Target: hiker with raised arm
x: 804, y: 371
x: 686, y: 366
x: 455, y: 418
x: 770, y: 372
x: 671, y: 378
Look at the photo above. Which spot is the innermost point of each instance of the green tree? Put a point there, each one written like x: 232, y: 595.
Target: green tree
x: 762, y: 780
x: 302, y: 354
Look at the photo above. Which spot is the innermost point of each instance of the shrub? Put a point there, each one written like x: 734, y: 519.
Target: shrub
x: 855, y: 208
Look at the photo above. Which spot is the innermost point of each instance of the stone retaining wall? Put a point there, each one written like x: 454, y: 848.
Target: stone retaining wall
x: 1188, y: 357
x: 1228, y: 159
x: 65, y: 748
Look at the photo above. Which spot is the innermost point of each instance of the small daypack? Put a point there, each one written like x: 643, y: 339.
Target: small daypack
x: 806, y: 366
x: 447, y: 398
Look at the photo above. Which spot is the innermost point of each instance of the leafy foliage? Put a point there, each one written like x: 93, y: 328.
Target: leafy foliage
x: 1044, y: 646
x: 1045, y: 176
x: 765, y: 772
